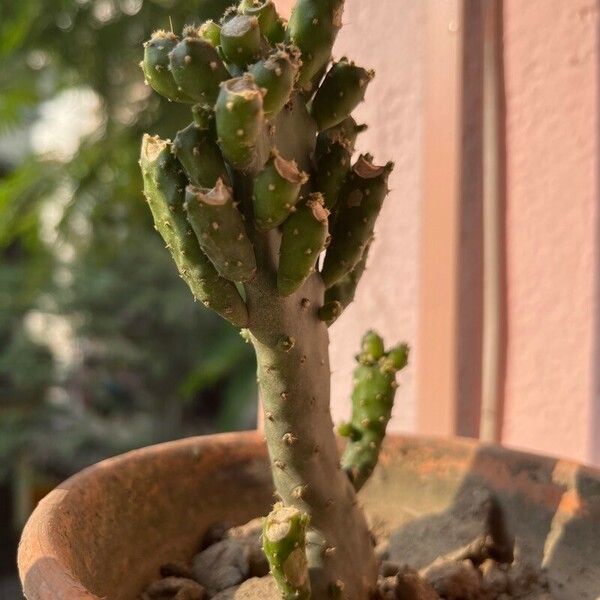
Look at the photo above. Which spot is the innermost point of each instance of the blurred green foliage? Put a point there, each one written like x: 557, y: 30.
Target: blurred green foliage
x: 77, y: 246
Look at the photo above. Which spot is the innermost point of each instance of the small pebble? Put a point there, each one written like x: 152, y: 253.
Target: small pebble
x: 221, y: 565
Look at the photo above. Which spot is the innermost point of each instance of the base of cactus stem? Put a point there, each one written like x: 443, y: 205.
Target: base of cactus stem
x: 105, y: 532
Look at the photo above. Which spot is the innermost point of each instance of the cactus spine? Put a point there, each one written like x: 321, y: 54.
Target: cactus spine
x: 248, y: 198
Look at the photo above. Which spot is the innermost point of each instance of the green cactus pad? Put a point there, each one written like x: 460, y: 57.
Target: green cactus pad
x: 295, y: 132
x: 271, y: 25
x: 340, y: 93
x: 372, y: 402
x: 333, y: 166
x: 361, y: 201
x: 276, y: 190
x: 241, y: 40
x: 333, y: 154
x: 240, y: 121
x: 156, y: 66
x: 197, y: 68
x: 198, y: 152
x: 340, y: 295
x: 313, y: 27
x: 284, y: 545
x: 164, y: 185
x: 304, y: 236
x: 210, y: 32
x: 219, y: 227
x: 275, y: 75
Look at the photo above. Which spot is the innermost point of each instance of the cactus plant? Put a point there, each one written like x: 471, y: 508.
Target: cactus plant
x: 248, y: 198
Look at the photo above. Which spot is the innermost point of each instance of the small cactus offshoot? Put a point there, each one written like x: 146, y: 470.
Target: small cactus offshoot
x: 372, y: 402
x: 284, y: 544
x: 269, y: 217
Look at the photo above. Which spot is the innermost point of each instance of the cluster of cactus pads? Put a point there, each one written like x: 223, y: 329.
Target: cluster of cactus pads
x: 269, y: 223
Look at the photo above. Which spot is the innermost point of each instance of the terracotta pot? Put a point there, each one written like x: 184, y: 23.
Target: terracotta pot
x: 104, y: 532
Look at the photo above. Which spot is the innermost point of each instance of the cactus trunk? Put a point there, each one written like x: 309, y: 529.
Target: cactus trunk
x: 291, y: 346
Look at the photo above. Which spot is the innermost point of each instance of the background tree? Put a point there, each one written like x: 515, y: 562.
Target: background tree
x: 92, y: 313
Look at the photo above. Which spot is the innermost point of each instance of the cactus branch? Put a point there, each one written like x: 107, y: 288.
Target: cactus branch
x: 219, y: 227
x: 164, y: 190
x: 275, y: 75
x: 313, y: 27
x: 271, y: 24
x: 284, y: 544
x: 240, y: 122
x: 197, y: 68
x: 303, y: 238
x: 372, y: 401
x: 157, y: 68
x: 241, y: 40
x: 362, y: 198
x: 340, y: 93
x: 202, y: 161
x: 276, y: 190
x: 341, y: 294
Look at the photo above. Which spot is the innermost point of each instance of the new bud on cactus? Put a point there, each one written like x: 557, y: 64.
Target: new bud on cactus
x: 198, y: 152
x: 271, y: 25
x: 275, y: 75
x: 330, y: 311
x: 219, y: 227
x: 372, y: 403
x: 204, y: 118
x: 210, y: 32
x: 340, y: 93
x: 313, y: 27
x: 284, y: 544
x: 276, y: 190
x: 371, y: 349
x: 197, y: 68
x: 303, y: 238
x: 156, y: 66
x: 241, y: 40
x: 240, y: 121
x: 362, y: 198
x: 164, y: 190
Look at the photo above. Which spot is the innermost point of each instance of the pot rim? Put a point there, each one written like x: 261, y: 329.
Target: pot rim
x: 36, y: 539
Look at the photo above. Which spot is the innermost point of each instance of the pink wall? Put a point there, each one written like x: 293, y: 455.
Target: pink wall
x: 551, y: 61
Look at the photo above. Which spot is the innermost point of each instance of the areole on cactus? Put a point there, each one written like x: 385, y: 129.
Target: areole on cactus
x: 270, y: 224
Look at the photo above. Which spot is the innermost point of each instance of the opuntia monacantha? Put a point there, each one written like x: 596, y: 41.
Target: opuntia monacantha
x: 269, y: 224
